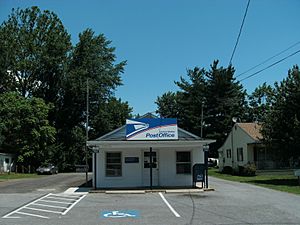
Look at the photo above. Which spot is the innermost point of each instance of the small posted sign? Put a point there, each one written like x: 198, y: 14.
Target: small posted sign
x: 297, y: 174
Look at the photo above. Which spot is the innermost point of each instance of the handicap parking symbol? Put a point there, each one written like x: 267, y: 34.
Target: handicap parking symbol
x: 120, y: 214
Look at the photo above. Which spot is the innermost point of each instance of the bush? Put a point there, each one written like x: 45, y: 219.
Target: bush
x: 249, y: 169
x: 227, y: 170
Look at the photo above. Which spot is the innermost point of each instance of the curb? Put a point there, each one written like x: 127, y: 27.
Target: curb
x: 208, y: 189
x: 185, y: 191
x: 125, y: 192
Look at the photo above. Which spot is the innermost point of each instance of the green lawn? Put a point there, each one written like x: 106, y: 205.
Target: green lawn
x: 5, y: 176
x: 281, y: 182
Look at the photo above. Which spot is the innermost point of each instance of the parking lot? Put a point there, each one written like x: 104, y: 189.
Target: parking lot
x: 101, y: 208
x: 231, y: 203
x: 46, y: 206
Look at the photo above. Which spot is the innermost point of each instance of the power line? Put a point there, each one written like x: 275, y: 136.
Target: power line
x: 273, y: 64
x: 238, y: 38
x: 268, y: 59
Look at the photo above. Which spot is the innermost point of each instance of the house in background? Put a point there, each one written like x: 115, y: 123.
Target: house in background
x: 6, y: 162
x: 243, y: 145
x: 146, y: 152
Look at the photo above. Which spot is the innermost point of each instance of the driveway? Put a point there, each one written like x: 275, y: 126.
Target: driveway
x: 231, y: 204
x: 47, y: 183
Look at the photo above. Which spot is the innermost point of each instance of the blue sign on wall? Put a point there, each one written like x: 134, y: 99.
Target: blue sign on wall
x: 151, y: 129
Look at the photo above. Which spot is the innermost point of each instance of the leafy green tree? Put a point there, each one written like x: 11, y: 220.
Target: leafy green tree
x: 281, y: 129
x: 92, y: 66
x: 216, y: 92
x: 38, y: 60
x: 110, y: 116
x: 24, y: 128
x: 168, y: 105
x: 191, y: 99
x: 260, y: 102
x: 225, y: 100
x: 34, y: 48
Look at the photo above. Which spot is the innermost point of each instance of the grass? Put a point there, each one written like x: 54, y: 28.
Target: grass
x: 281, y: 182
x: 6, y: 176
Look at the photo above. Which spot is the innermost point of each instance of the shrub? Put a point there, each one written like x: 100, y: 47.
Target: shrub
x: 227, y: 170
x: 249, y: 169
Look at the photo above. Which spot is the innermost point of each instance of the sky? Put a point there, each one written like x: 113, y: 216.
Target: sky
x: 161, y: 39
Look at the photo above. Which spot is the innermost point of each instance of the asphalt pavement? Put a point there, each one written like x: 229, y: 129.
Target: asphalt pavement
x: 230, y: 204
x: 44, y: 183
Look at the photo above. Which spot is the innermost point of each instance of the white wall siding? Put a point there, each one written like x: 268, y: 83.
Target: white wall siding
x: 132, y: 173
x: 240, y: 139
x: 167, y: 169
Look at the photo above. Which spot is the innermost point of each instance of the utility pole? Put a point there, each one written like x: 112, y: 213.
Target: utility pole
x: 87, y: 130
x: 201, y: 133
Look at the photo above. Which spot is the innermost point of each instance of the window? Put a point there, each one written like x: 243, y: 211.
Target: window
x: 113, y: 164
x: 183, y: 162
x: 240, y: 156
x: 147, y: 160
x: 228, y: 153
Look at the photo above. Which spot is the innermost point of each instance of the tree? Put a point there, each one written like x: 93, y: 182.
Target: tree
x: 110, y: 116
x: 191, y: 99
x: 281, y: 129
x: 260, y: 102
x: 225, y: 100
x: 92, y: 65
x: 38, y: 60
x: 24, y: 128
x: 216, y: 92
x: 34, y: 48
x: 168, y: 105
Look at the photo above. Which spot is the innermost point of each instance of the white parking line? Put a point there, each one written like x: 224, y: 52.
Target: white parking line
x: 168, y: 204
x: 40, y: 205
x: 17, y: 210
x: 67, y: 210
x: 34, y: 215
x: 65, y: 199
x: 42, y: 210
x: 67, y: 203
x: 66, y: 196
x: 50, y: 206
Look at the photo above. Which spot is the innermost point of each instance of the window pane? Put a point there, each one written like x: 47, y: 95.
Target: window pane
x: 113, y: 160
x: 147, y: 165
x: 183, y: 168
x: 113, y: 170
x: 113, y: 157
x: 240, y: 155
x: 147, y: 154
x: 113, y: 164
x: 183, y: 156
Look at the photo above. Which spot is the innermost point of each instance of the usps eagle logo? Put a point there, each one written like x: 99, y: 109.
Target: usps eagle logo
x: 135, y: 127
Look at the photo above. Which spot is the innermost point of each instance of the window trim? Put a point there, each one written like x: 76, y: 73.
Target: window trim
x: 121, y: 164
x: 178, y: 163
x: 228, y: 156
x: 240, y: 157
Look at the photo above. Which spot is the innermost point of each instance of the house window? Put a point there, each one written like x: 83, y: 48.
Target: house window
x: 228, y: 153
x: 240, y: 156
x: 183, y: 162
x: 113, y: 164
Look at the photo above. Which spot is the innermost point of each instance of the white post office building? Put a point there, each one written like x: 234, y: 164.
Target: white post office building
x: 147, y: 152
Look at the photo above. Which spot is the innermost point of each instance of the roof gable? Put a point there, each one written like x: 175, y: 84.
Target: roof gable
x: 252, y: 129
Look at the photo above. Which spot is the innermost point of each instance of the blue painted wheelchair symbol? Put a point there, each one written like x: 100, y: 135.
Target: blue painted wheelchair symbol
x: 120, y: 214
